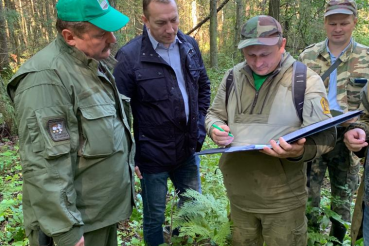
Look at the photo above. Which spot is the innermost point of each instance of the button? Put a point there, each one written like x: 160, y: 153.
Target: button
x: 143, y: 54
x: 190, y: 66
x: 151, y: 55
x: 159, y: 73
x: 143, y: 136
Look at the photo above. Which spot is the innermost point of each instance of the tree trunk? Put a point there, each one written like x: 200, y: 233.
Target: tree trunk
x: 14, y: 41
x: 49, y: 21
x: 274, y: 6
x: 4, y: 56
x: 213, y: 34
x: 240, y: 13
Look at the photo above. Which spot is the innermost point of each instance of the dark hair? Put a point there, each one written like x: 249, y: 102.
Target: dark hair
x: 145, y: 4
x: 77, y: 27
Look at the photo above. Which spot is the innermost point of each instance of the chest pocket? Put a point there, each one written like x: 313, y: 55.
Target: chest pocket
x: 97, y: 124
x: 152, y: 86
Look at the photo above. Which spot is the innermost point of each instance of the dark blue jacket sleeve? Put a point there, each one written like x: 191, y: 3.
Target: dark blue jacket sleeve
x: 204, y: 83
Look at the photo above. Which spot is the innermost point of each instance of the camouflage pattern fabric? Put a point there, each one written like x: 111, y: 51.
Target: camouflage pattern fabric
x: 341, y: 7
x: 260, y: 30
x: 343, y: 174
x: 355, y: 65
x: 343, y: 165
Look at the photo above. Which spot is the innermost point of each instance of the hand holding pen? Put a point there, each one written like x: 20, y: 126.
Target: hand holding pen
x: 221, y: 135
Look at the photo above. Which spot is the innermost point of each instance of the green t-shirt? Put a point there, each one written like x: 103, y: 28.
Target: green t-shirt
x: 259, y: 80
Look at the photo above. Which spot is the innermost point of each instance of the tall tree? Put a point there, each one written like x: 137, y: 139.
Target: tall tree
x: 213, y: 34
x: 274, y: 6
x: 240, y: 13
x: 4, y: 57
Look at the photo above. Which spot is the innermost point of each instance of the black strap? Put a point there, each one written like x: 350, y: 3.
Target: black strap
x: 299, y: 87
x: 229, y: 85
x: 331, y: 68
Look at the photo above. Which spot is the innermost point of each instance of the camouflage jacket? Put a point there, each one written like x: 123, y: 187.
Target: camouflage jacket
x: 355, y: 64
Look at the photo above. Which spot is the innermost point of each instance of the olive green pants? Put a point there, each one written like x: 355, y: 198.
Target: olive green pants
x: 287, y: 228
x: 106, y: 236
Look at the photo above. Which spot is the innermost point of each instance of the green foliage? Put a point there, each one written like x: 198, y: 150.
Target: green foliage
x: 202, y: 218
x: 11, y: 216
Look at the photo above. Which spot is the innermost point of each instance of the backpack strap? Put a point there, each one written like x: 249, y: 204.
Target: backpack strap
x: 299, y: 86
x: 229, y: 85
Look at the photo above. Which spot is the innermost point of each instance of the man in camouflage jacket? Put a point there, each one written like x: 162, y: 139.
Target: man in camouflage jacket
x: 343, y: 86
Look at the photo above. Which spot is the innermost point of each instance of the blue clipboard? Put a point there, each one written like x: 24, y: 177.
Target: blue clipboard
x: 292, y: 136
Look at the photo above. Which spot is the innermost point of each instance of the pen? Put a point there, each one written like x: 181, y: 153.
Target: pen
x: 220, y: 129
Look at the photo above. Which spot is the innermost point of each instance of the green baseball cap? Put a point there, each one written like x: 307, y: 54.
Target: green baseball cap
x: 260, y: 30
x: 347, y: 7
x: 97, y: 12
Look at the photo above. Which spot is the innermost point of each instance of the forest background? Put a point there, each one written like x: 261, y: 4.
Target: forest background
x: 26, y: 26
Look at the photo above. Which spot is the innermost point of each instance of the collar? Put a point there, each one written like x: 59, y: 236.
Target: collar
x: 345, y: 55
x: 284, y: 59
x: 78, y: 55
x: 156, y: 44
x: 343, y: 51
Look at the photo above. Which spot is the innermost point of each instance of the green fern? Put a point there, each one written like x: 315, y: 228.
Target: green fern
x: 203, y: 217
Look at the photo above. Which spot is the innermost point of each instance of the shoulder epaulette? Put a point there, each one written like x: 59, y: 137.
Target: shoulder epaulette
x: 311, y: 45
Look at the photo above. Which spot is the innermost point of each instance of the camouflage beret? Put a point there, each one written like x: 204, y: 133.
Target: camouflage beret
x: 347, y: 7
x: 260, y: 30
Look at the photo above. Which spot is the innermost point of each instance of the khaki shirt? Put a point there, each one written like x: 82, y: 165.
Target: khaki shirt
x: 256, y: 182
x: 75, y: 144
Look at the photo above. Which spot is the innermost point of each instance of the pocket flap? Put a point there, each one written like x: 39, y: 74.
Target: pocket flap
x: 145, y: 74
x: 98, y: 111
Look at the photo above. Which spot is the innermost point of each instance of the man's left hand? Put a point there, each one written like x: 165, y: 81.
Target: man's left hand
x: 285, y: 150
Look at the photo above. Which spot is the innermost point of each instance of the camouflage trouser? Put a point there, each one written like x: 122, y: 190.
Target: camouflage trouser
x: 287, y: 228
x: 343, y: 168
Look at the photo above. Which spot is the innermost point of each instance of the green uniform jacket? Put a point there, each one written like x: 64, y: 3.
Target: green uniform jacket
x: 255, y: 182
x: 75, y: 143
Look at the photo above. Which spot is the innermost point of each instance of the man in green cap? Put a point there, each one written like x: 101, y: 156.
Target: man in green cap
x: 267, y: 189
x: 349, y: 63
x: 75, y: 143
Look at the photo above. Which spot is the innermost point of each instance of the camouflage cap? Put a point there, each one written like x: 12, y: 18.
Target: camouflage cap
x: 260, y: 30
x: 347, y: 7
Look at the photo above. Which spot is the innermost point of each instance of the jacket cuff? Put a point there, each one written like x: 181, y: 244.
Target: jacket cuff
x: 360, y: 125
x: 69, y: 238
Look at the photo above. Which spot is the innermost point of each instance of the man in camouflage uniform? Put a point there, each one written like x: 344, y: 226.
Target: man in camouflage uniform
x: 343, y: 86
x: 266, y: 188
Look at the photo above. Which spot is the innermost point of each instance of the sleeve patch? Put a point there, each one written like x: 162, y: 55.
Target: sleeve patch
x: 58, y: 130
x: 325, y: 105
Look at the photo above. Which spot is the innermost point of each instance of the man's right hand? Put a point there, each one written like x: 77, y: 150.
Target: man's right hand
x: 355, y: 139
x: 81, y: 242
x: 138, y: 172
x: 221, y: 138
